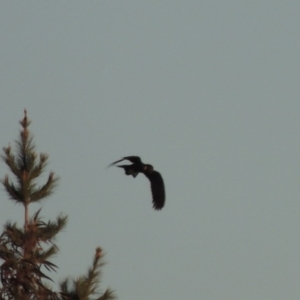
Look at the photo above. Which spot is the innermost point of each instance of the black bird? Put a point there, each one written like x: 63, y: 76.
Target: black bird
x: 156, y: 180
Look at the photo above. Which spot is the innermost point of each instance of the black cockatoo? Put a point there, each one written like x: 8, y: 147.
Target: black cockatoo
x: 156, y: 180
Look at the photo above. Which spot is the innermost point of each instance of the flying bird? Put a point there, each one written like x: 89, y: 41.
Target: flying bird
x: 156, y: 180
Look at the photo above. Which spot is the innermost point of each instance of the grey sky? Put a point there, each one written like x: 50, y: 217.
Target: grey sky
x: 207, y: 92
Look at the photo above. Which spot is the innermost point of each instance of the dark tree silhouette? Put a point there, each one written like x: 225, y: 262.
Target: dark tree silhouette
x: 84, y: 286
x: 25, y: 252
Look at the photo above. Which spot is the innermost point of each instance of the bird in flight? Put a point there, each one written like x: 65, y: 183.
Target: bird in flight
x: 156, y: 180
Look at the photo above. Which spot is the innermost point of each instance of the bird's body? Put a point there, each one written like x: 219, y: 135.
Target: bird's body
x: 156, y: 180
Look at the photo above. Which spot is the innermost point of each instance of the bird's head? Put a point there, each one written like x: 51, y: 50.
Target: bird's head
x: 148, y: 168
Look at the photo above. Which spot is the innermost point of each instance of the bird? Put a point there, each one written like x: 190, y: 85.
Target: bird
x: 155, y: 178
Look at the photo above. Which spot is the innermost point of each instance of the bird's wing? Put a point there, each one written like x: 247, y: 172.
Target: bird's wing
x: 157, y: 189
x: 129, y: 170
x: 133, y: 159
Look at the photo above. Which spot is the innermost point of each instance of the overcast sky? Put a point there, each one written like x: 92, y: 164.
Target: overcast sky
x: 205, y: 91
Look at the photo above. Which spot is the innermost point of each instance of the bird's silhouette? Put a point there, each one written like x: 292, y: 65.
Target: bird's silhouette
x: 156, y: 180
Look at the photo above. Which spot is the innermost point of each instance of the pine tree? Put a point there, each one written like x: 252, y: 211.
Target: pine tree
x: 85, y: 286
x: 26, y: 251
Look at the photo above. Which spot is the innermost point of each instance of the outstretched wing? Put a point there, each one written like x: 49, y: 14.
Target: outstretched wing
x: 133, y: 159
x: 157, y: 189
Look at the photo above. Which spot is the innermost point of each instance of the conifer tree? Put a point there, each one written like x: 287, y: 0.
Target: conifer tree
x: 25, y: 252
x: 85, y: 286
